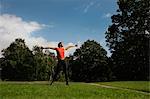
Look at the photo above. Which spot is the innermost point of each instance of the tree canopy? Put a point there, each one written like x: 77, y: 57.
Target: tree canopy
x: 91, y: 63
x: 128, y: 39
x: 20, y: 63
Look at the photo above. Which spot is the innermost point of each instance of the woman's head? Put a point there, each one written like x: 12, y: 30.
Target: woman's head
x: 60, y: 44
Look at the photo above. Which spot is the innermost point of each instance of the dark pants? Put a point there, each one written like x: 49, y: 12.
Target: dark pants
x: 60, y: 65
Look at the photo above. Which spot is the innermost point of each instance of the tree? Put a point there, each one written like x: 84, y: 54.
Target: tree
x: 18, y: 62
x: 128, y: 39
x: 44, y: 63
x: 91, y: 63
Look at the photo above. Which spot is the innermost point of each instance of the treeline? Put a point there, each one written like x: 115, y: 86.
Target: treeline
x: 20, y: 63
x: 89, y: 63
x: 128, y: 40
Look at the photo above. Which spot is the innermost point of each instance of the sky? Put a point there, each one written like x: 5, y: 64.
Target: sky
x: 46, y: 22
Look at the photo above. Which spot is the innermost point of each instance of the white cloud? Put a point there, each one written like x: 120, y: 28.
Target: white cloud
x: 12, y: 27
x: 88, y: 6
x: 70, y: 51
x: 146, y: 32
x: 107, y: 15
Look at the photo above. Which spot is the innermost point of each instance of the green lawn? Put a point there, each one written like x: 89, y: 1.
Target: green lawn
x: 135, y: 85
x: 41, y: 90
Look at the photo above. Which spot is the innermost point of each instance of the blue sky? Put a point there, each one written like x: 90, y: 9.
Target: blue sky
x: 65, y: 20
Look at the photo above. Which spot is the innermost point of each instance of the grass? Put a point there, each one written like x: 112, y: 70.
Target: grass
x: 134, y: 85
x: 41, y: 90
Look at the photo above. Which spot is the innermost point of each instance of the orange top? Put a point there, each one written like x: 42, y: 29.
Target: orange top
x: 60, y: 53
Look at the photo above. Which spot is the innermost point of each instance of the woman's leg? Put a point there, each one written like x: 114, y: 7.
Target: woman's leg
x: 65, y: 71
x: 57, y: 70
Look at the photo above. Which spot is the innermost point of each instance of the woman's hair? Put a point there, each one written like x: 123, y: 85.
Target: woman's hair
x: 60, y: 44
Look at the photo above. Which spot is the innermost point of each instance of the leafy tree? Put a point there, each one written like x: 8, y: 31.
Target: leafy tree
x: 18, y: 62
x: 91, y: 63
x: 128, y: 40
x: 44, y: 63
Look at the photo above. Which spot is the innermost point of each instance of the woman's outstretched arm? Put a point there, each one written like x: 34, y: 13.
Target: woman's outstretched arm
x: 70, y: 47
x: 48, y: 48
